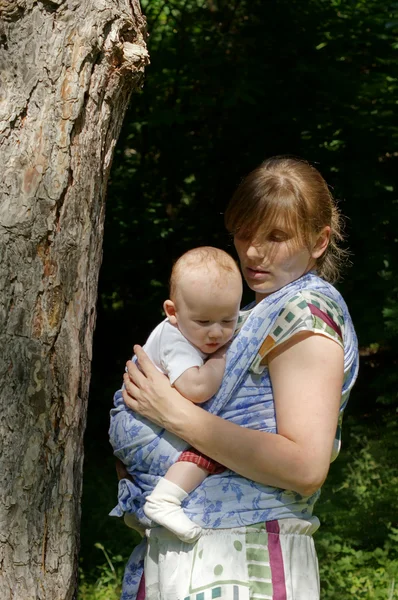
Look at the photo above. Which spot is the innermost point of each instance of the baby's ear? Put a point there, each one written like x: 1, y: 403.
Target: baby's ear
x: 170, y: 310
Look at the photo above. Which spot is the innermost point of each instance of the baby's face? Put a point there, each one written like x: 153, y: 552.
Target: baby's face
x: 207, y: 310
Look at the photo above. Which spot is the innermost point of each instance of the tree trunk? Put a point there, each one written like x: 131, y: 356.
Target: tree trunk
x: 67, y: 69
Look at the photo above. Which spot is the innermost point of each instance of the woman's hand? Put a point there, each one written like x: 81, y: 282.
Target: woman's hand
x: 149, y: 393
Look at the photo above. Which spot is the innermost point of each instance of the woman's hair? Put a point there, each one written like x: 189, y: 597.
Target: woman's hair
x: 218, y: 263
x: 286, y: 192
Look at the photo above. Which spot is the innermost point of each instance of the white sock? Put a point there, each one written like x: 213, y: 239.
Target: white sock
x: 164, y: 507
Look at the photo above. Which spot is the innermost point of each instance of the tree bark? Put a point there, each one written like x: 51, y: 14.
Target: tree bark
x: 67, y: 69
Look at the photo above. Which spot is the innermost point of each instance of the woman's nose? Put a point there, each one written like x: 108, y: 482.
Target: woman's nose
x: 254, y: 251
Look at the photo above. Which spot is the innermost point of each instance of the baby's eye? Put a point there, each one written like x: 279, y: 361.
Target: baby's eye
x: 202, y: 322
x: 228, y: 320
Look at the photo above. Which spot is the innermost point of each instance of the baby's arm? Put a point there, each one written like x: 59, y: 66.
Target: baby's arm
x: 199, y: 384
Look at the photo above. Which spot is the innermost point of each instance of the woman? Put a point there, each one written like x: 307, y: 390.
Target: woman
x: 273, y: 422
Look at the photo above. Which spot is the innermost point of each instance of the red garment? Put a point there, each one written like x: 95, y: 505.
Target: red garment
x: 196, y: 457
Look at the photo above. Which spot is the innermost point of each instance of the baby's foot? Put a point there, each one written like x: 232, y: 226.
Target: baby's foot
x: 164, y: 507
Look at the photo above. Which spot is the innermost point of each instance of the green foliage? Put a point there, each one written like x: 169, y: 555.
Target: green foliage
x: 357, y: 543
x: 231, y: 83
x: 107, y: 585
x: 355, y: 573
x: 100, y: 531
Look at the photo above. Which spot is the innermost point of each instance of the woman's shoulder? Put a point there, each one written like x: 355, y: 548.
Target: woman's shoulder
x: 305, y: 310
x: 316, y: 308
x: 309, y: 310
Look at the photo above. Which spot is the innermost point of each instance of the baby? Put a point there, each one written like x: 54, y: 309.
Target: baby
x: 189, y: 346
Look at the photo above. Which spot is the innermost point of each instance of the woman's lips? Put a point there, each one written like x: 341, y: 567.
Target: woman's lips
x: 256, y: 273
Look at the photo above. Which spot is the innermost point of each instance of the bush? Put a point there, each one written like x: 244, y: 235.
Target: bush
x: 108, y: 579
x: 357, y: 546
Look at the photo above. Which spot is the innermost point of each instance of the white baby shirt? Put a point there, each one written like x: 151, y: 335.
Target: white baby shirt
x: 171, y: 352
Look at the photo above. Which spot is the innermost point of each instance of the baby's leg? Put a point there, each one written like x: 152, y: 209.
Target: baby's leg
x: 164, y: 504
x: 187, y: 475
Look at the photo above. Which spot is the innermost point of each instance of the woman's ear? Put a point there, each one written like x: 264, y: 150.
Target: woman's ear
x: 321, y: 243
x: 170, y: 310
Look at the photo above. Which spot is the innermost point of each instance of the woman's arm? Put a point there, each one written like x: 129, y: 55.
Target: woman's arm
x: 306, y: 374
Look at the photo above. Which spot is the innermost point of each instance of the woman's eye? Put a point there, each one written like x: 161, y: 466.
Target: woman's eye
x: 278, y: 237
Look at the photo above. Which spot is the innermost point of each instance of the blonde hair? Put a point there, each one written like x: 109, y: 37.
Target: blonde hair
x: 204, y: 257
x: 288, y: 192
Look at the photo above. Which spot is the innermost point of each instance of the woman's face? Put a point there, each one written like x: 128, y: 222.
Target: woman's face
x: 270, y: 264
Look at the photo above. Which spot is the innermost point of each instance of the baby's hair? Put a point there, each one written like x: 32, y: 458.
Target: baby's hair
x: 218, y: 263
x: 288, y: 192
